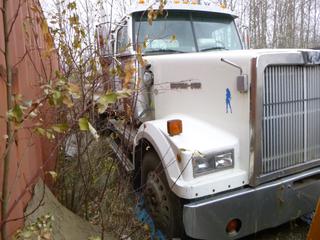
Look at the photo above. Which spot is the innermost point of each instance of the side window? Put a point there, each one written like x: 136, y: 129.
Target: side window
x: 122, y: 40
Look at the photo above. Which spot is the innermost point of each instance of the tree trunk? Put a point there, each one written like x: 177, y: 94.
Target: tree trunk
x: 10, y: 134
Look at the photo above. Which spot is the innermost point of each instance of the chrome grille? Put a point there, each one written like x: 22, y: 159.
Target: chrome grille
x: 291, y: 117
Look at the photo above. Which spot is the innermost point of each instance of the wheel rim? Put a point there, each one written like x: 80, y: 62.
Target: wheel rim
x: 157, y: 202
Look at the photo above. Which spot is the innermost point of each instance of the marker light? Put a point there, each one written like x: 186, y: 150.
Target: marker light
x: 233, y: 227
x: 177, y: 1
x: 141, y: 2
x: 195, y: 1
x: 174, y: 127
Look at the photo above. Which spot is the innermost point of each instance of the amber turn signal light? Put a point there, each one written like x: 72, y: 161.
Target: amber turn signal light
x: 174, y: 127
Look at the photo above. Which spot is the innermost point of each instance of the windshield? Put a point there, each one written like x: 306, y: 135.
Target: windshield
x: 182, y: 32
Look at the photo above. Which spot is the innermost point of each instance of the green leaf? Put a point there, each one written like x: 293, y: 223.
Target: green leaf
x: 60, y: 128
x: 105, y: 100
x: 56, y: 97
x: 40, y: 131
x: 50, y: 135
x: 108, y: 98
x: 16, y: 114
x: 84, y: 124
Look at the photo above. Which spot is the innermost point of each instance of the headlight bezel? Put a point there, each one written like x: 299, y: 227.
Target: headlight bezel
x: 210, y: 160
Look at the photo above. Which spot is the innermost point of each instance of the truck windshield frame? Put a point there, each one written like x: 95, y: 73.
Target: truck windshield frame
x: 185, y: 32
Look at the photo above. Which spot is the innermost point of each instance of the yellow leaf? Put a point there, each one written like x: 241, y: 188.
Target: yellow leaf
x: 60, y: 128
x: 173, y: 38
x: 74, y: 90
x: 150, y: 15
x: 53, y: 174
x: 129, y: 72
x: 83, y: 124
x: 74, y: 20
x: 44, y: 27
x: 35, y: 9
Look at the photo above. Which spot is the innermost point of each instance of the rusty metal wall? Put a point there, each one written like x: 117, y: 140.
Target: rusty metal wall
x: 30, y: 153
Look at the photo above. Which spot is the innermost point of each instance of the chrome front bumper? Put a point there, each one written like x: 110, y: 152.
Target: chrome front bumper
x: 266, y: 206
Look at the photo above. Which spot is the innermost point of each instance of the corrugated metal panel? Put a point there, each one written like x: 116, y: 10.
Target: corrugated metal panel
x: 29, y: 151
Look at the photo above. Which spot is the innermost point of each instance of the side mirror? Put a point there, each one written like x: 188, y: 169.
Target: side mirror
x: 245, y: 36
x: 243, y: 83
x: 242, y: 79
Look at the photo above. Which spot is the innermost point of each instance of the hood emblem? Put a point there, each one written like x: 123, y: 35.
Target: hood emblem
x: 186, y: 85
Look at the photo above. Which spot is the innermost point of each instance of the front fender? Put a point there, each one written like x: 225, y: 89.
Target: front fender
x: 197, y: 137
x: 151, y: 132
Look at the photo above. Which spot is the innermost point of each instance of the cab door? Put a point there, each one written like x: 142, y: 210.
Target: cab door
x: 124, y: 65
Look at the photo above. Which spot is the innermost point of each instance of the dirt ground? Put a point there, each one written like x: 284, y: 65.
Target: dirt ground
x: 66, y: 225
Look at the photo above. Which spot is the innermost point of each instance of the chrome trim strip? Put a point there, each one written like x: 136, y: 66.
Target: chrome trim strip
x: 265, y: 186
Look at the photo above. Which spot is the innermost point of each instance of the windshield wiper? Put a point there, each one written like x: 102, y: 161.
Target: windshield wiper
x: 213, y: 48
x: 163, y: 51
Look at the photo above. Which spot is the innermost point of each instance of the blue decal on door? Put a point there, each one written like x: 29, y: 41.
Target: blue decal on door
x: 228, y: 101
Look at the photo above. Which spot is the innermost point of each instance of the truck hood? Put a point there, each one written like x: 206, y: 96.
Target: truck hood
x: 203, y: 87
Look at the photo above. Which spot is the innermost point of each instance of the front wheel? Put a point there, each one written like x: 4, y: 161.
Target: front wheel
x: 164, y: 207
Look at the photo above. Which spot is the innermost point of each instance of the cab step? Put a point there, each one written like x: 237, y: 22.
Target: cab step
x: 122, y: 145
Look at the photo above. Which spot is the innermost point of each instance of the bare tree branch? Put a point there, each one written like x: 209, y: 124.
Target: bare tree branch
x: 21, y: 59
x: 15, y: 17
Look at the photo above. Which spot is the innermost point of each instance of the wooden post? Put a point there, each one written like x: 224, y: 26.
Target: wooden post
x: 314, y: 232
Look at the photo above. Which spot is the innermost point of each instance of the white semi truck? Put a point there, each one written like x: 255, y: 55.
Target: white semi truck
x: 223, y: 141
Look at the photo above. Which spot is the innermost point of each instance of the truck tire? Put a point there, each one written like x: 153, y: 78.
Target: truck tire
x: 162, y: 204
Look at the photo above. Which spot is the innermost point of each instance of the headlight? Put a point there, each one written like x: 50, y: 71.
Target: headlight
x: 213, y: 162
x: 224, y: 160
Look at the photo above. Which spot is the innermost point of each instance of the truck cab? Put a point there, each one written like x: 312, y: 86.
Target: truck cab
x: 224, y: 141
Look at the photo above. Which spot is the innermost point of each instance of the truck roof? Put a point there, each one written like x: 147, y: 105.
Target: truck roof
x: 171, y: 5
